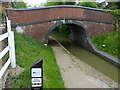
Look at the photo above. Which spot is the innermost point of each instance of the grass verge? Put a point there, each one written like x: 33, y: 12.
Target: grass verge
x: 27, y: 52
x: 111, y: 42
x: 0, y: 15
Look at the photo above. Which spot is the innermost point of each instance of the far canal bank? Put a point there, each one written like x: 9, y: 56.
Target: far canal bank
x: 86, y: 56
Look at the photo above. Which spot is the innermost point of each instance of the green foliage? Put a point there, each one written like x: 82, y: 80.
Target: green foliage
x: 110, y: 41
x: 27, y: 52
x: 55, y: 2
x: 63, y: 29
x: 113, y: 5
x: 116, y: 14
x: 88, y: 4
x: 0, y: 15
x: 19, y: 5
x: 69, y: 3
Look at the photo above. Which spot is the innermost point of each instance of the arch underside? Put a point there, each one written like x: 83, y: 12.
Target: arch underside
x: 79, y: 34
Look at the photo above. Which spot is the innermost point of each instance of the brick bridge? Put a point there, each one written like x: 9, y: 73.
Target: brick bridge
x: 85, y: 22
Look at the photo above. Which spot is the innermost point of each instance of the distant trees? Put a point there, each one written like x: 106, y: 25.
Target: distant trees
x: 59, y: 3
x: 88, y: 4
x: 113, y: 5
x: 53, y: 3
x: 64, y: 29
x: 105, y: 5
x: 20, y: 4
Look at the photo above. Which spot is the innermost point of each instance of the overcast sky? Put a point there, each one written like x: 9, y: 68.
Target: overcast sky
x: 34, y: 2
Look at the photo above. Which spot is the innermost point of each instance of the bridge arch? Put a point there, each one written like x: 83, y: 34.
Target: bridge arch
x: 79, y: 33
x: 37, y: 22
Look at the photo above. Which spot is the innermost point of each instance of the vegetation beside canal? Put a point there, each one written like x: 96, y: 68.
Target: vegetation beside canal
x: 27, y: 52
x: 111, y: 42
x: 0, y: 15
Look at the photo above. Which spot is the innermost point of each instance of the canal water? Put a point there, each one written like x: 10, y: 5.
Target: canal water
x: 88, y: 57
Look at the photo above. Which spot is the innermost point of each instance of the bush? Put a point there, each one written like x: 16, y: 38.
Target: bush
x: 64, y: 29
x: 88, y: 4
x: 110, y: 41
x: 116, y: 13
x: 0, y: 15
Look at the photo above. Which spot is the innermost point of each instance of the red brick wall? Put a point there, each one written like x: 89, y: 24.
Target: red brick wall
x: 37, y: 31
x: 40, y: 31
x: 98, y: 28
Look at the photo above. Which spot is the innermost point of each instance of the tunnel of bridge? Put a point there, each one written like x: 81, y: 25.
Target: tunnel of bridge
x: 78, y: 33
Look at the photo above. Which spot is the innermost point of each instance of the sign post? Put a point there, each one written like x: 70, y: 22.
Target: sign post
x: 37, y: 75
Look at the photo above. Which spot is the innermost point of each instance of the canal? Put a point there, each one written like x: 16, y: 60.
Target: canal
x: 88, y: 57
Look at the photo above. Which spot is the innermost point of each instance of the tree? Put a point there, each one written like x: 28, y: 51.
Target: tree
x: 113, y: 5
x: 55, y: 2
x: 88, y: 4
x: 102, y: 4
x: 21, y: 4
x: 69, y: 3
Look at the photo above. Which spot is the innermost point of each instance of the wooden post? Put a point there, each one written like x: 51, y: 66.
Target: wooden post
x: 13, y: 59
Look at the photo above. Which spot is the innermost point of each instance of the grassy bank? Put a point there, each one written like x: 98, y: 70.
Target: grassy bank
x: 0, y: 15
x: 111, y: 42
x: 27, y: 52
x: 0, y: 18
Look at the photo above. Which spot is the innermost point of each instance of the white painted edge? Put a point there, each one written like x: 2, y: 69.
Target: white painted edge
x: 37, y: 85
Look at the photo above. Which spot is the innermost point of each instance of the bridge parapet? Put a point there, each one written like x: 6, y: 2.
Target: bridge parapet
x: 52, y: 13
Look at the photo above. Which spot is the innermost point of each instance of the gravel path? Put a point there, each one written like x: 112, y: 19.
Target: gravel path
x: 77, y: 74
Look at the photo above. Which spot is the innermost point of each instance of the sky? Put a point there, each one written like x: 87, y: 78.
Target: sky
x: 34, y: 2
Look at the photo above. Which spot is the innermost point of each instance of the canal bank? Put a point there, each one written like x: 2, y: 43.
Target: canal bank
x: 88, y: 57
x: 77, y: 74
